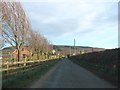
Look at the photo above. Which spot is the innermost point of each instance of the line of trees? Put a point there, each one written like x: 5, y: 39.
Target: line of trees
x: 17, y: 31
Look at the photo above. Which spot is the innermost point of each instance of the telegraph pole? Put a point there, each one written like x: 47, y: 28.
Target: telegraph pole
x: 74, y: 47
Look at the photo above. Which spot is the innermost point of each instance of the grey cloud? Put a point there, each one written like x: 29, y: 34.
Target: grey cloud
x: 109, y: 16
x: 67, y: 19
x: 43, y: 8
x: 57, y: 29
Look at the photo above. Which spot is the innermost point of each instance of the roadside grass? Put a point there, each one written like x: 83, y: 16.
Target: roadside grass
x: 104, y: 73
x: 24, y: 79
x: 101, y: 65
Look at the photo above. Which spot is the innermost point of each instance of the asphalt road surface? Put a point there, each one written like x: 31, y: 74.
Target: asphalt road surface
x: 67, y: 74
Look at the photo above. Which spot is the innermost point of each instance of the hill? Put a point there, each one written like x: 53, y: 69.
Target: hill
x: 65, y: 49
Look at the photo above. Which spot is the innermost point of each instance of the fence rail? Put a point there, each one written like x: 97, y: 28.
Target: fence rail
x: 11, y: 68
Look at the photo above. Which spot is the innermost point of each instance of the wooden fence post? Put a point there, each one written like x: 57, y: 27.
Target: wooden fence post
x: 39, y: 61
x: 25, y: 62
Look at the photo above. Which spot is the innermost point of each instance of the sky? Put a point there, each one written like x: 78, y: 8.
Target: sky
x: 91, y: 23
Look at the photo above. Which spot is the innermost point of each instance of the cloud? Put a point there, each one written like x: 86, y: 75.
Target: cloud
x: 58, y: 28
x: 88, y: 21
x: 57, y: 1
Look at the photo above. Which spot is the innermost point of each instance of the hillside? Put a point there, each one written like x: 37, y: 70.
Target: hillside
x: 65, y: 49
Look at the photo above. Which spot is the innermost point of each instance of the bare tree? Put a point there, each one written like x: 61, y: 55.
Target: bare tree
x: 46, y: 47
x: 1, y: 39
x: 15, y: 25
x: 39, y: 44
x: 35, y: 43
x: 17, y: 30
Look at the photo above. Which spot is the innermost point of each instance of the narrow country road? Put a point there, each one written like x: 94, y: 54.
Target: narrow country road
x: 66, y: 74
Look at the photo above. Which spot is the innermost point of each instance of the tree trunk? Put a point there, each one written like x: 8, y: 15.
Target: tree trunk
x: 18, y: 56
x: 38, y: 55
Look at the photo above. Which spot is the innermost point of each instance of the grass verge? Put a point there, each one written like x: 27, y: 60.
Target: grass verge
x: 108, y: 74
x: 23, y: 79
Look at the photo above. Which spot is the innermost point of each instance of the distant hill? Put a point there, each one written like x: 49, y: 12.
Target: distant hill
x: 7, y: 50
x: 65, y: 49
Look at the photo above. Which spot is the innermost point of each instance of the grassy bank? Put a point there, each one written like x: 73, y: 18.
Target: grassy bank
x: 23, y: 79
x: 104, y: 64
